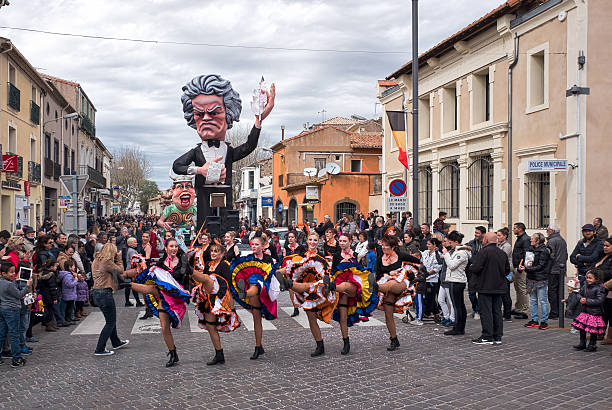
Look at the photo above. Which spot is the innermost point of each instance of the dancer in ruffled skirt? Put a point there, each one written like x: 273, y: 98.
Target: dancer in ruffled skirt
x: 255, y: 288
x: 165, y: 296
x: 214, y: 305
x: 303, y: 274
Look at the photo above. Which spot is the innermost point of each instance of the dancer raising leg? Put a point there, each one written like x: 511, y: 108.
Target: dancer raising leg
x: 163, y: 292
x: 254, y: 286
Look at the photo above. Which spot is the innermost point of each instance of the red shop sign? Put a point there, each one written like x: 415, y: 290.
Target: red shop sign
x: 26, y: 188
x: 9, y: 163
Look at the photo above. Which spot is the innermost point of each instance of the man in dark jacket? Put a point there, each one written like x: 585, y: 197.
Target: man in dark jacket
x: 522, y: 244
x: 476, y: 244
x: 489, y: 269
x: 558, y: 267
x: 587, y: 252
x: 324, y: 226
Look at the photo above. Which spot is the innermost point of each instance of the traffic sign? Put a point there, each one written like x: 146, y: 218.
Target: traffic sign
x: 397, y: 204
x: 397, y: 187
x: 68, y: 180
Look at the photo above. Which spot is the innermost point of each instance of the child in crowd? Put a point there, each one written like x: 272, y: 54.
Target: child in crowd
x: 371, y: 257
x: 572, y: 303
x: 68, y: 278
x: 10, y: 309
x: 592, y: 296
x: 82, y: 295
x: 24, y: 313
x: 420, y: 281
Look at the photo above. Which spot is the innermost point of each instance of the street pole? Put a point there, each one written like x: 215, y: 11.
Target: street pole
x: 75, y: 203
x: 415, y: 112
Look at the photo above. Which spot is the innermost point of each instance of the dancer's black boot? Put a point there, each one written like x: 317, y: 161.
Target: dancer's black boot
x: 241, y: 288
x: 394, y: 344
x: 296, y: 312
x: 373, y: 286
x: 347, y: 346
x: 328, y: 284
x: 173, y: 358
x: 218, y: 359
x: 320, y: 350
x: 592, y: 343
x: 259, y: 350
x: 285, y: 283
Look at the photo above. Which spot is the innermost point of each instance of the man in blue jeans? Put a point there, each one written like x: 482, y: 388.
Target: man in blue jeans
x: 10, y: 308
x: 105, y: 301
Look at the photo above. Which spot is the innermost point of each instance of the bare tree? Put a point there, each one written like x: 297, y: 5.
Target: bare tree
x: 130, y: 170
x: 237, y: 135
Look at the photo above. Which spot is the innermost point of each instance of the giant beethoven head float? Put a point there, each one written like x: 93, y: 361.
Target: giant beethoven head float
x: 210, y: 106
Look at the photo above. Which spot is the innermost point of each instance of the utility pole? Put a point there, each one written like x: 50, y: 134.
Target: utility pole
x: 415, y: 112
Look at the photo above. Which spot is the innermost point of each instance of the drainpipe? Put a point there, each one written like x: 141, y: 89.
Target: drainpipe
x: 509, y: 148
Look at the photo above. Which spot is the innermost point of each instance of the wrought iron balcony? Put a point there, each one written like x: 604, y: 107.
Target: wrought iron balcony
x: 14, y: 97
x: 87, y: 125
x: 34, y: 112
x: 57, y: 170
x: 34, y: 172
x: 95, y: 176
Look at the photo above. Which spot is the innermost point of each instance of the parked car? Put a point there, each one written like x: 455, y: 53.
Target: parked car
x: 282, y: 234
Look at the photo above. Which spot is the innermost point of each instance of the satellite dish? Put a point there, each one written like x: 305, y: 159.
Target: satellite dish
x: 310, y: 172
x: 332, y: 168
x: 322, y: 173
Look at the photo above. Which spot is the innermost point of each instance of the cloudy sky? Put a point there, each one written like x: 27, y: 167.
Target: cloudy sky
x: 136, y: 86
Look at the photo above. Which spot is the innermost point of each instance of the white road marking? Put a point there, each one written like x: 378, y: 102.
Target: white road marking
x: 302, y: 319
x: 91, y: 325
x: 372, y: 322
x: 193, y: 321
x: 247, y: 321
x: 147, y: 326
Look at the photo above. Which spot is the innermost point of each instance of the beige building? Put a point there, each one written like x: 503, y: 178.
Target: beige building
x: 60, y: 149
x: 22, y: 93
x: 464, y: 121
x: 91, y: 151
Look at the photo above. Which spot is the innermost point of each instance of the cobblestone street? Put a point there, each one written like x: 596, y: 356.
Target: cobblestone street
x: 532, y: 369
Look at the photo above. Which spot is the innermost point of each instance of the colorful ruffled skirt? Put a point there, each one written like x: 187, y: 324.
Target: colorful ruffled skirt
x: 255, y: 272
x: 364, y: 302
x: 218, y: 303
x: 311, y: 270
x: 173, y: 296
x: 400, y: 276
x: 590, y: 323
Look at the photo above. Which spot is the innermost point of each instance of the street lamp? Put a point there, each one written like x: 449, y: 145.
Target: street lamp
x: 70, y: 116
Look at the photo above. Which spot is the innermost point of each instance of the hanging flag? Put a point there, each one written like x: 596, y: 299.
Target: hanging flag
x: 397, y: 121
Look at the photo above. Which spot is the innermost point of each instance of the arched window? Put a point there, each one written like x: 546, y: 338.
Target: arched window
x: 348, y: 208
x: 278, y: 212
x: 292, y: 215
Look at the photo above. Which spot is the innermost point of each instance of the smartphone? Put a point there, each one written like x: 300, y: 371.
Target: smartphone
x: 25, y: 273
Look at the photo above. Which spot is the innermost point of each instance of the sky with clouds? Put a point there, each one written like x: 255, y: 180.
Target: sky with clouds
x: 136, y: 87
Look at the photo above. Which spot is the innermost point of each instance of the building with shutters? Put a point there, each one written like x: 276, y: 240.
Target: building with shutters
x: 22, y: 92
x: 468, y: 105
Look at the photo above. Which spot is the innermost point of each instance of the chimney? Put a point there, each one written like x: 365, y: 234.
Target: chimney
x: 282, y: 132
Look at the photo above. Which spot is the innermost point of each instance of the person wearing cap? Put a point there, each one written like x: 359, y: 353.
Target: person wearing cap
x: 558, y: 255
x: 601, y: 232
x: 587, y: 252
x: 29, y: 236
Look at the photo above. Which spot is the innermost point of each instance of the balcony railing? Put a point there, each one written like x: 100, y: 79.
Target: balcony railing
x: 95, y: 176
x: 34, y: 113
x: 57, y: 170
x: 48, y: 165
x: 19, y: 173
x: 14, y: 97
x: 34, y: 172
x: 87, y: 125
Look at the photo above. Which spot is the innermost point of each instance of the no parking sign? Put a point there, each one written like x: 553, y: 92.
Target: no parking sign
x: 397, y: 187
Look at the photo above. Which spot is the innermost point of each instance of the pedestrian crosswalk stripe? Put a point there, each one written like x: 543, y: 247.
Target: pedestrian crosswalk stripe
x: 193, y: 321
x: 94, y: 322
x: 372, y: 322
x: 147, y: 326
x: 302, y: 319
x: 247, y: 321
x: 91, y: 325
